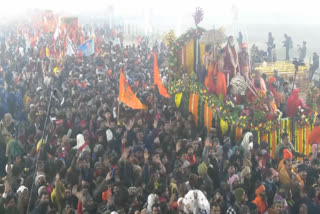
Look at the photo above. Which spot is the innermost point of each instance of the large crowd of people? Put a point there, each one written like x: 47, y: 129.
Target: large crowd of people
x: 92, y: 154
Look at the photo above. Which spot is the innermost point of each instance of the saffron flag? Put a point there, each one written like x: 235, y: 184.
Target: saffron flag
x: 87, y: 48
x: 157, y: 80
x: 126, y: 95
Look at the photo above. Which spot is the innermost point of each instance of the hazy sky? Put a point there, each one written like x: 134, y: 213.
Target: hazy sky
x: 249, y: 11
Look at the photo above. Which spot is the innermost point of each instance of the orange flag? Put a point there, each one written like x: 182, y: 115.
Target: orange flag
x: 126, y: 95
x: 157, y: 80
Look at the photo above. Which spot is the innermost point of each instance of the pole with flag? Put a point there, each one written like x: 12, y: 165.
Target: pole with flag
x: 126, y: 95
x: 157, y: 79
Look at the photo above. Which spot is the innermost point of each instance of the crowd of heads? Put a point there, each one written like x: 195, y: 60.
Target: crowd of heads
x: 92, y: 154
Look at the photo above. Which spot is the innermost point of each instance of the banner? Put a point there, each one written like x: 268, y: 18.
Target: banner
x: 87, y: 48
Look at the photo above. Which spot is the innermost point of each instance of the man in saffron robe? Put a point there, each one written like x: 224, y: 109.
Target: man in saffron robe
x: 261, y: 199
x: 231, y: 62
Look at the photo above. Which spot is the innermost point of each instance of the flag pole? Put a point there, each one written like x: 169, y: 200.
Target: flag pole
x: 118, y: 113
x: 154, y: 100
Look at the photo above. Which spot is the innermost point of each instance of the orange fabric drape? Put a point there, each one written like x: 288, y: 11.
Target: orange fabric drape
x: 208, y: 115
x: 238, y: 134
x: 193, y: 106
x: 264, y: 137
x: 126, y: 95
x: 157, y: 80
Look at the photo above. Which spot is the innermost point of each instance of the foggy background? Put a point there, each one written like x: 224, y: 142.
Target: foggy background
x: 254, y: 19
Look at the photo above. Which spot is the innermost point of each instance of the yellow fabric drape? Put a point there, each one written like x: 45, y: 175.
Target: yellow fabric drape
x: 189, y: 63
x: 202, y: 52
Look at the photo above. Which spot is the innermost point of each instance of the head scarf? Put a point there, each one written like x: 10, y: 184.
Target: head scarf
x: 246, y: 170
x: 293, y: 103
x: 246, y: 141
x: 202, y: 169
x: 238, y: 193
x: 232, y: 180
x: 287, y: 154
x: 260, y: 189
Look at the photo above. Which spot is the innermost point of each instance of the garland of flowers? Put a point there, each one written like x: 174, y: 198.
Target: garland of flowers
x: 175, y: 45
x: 255, y: 117
x: 226, y: 111
x: 252, y: 117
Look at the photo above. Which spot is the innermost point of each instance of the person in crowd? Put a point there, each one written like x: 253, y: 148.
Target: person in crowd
x: 287, y: 44
x: 285, y: 144
x: 303, y: 51
x: 314, y: 136
x: 93, y: 154
x: 244, y: 61
x: 221, y: 87
x: 270, y: 45
x: 314, y: 66
x: 231, y: 60
x: 295, y: 103
x: 261, y: 199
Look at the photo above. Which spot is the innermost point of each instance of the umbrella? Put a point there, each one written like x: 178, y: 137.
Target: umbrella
x: 213, y: 37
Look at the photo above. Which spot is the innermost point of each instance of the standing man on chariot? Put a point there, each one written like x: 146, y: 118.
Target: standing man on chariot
x: 231, y: 62
x: 244, y: 61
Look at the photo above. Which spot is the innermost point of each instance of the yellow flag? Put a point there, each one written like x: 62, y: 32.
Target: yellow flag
x: 55, y: 70
x: 224, y: 126
x: 178, y: 98
x: 47, y: 52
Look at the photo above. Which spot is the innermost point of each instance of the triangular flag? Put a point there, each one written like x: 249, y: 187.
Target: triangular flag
x: 126, y: 95
x: 177, y: 99
x: 157, y: 80
x: 56, y: 33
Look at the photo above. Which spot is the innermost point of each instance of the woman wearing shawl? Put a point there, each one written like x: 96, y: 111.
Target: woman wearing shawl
x: 294, y: 102
x: 247, y: 140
